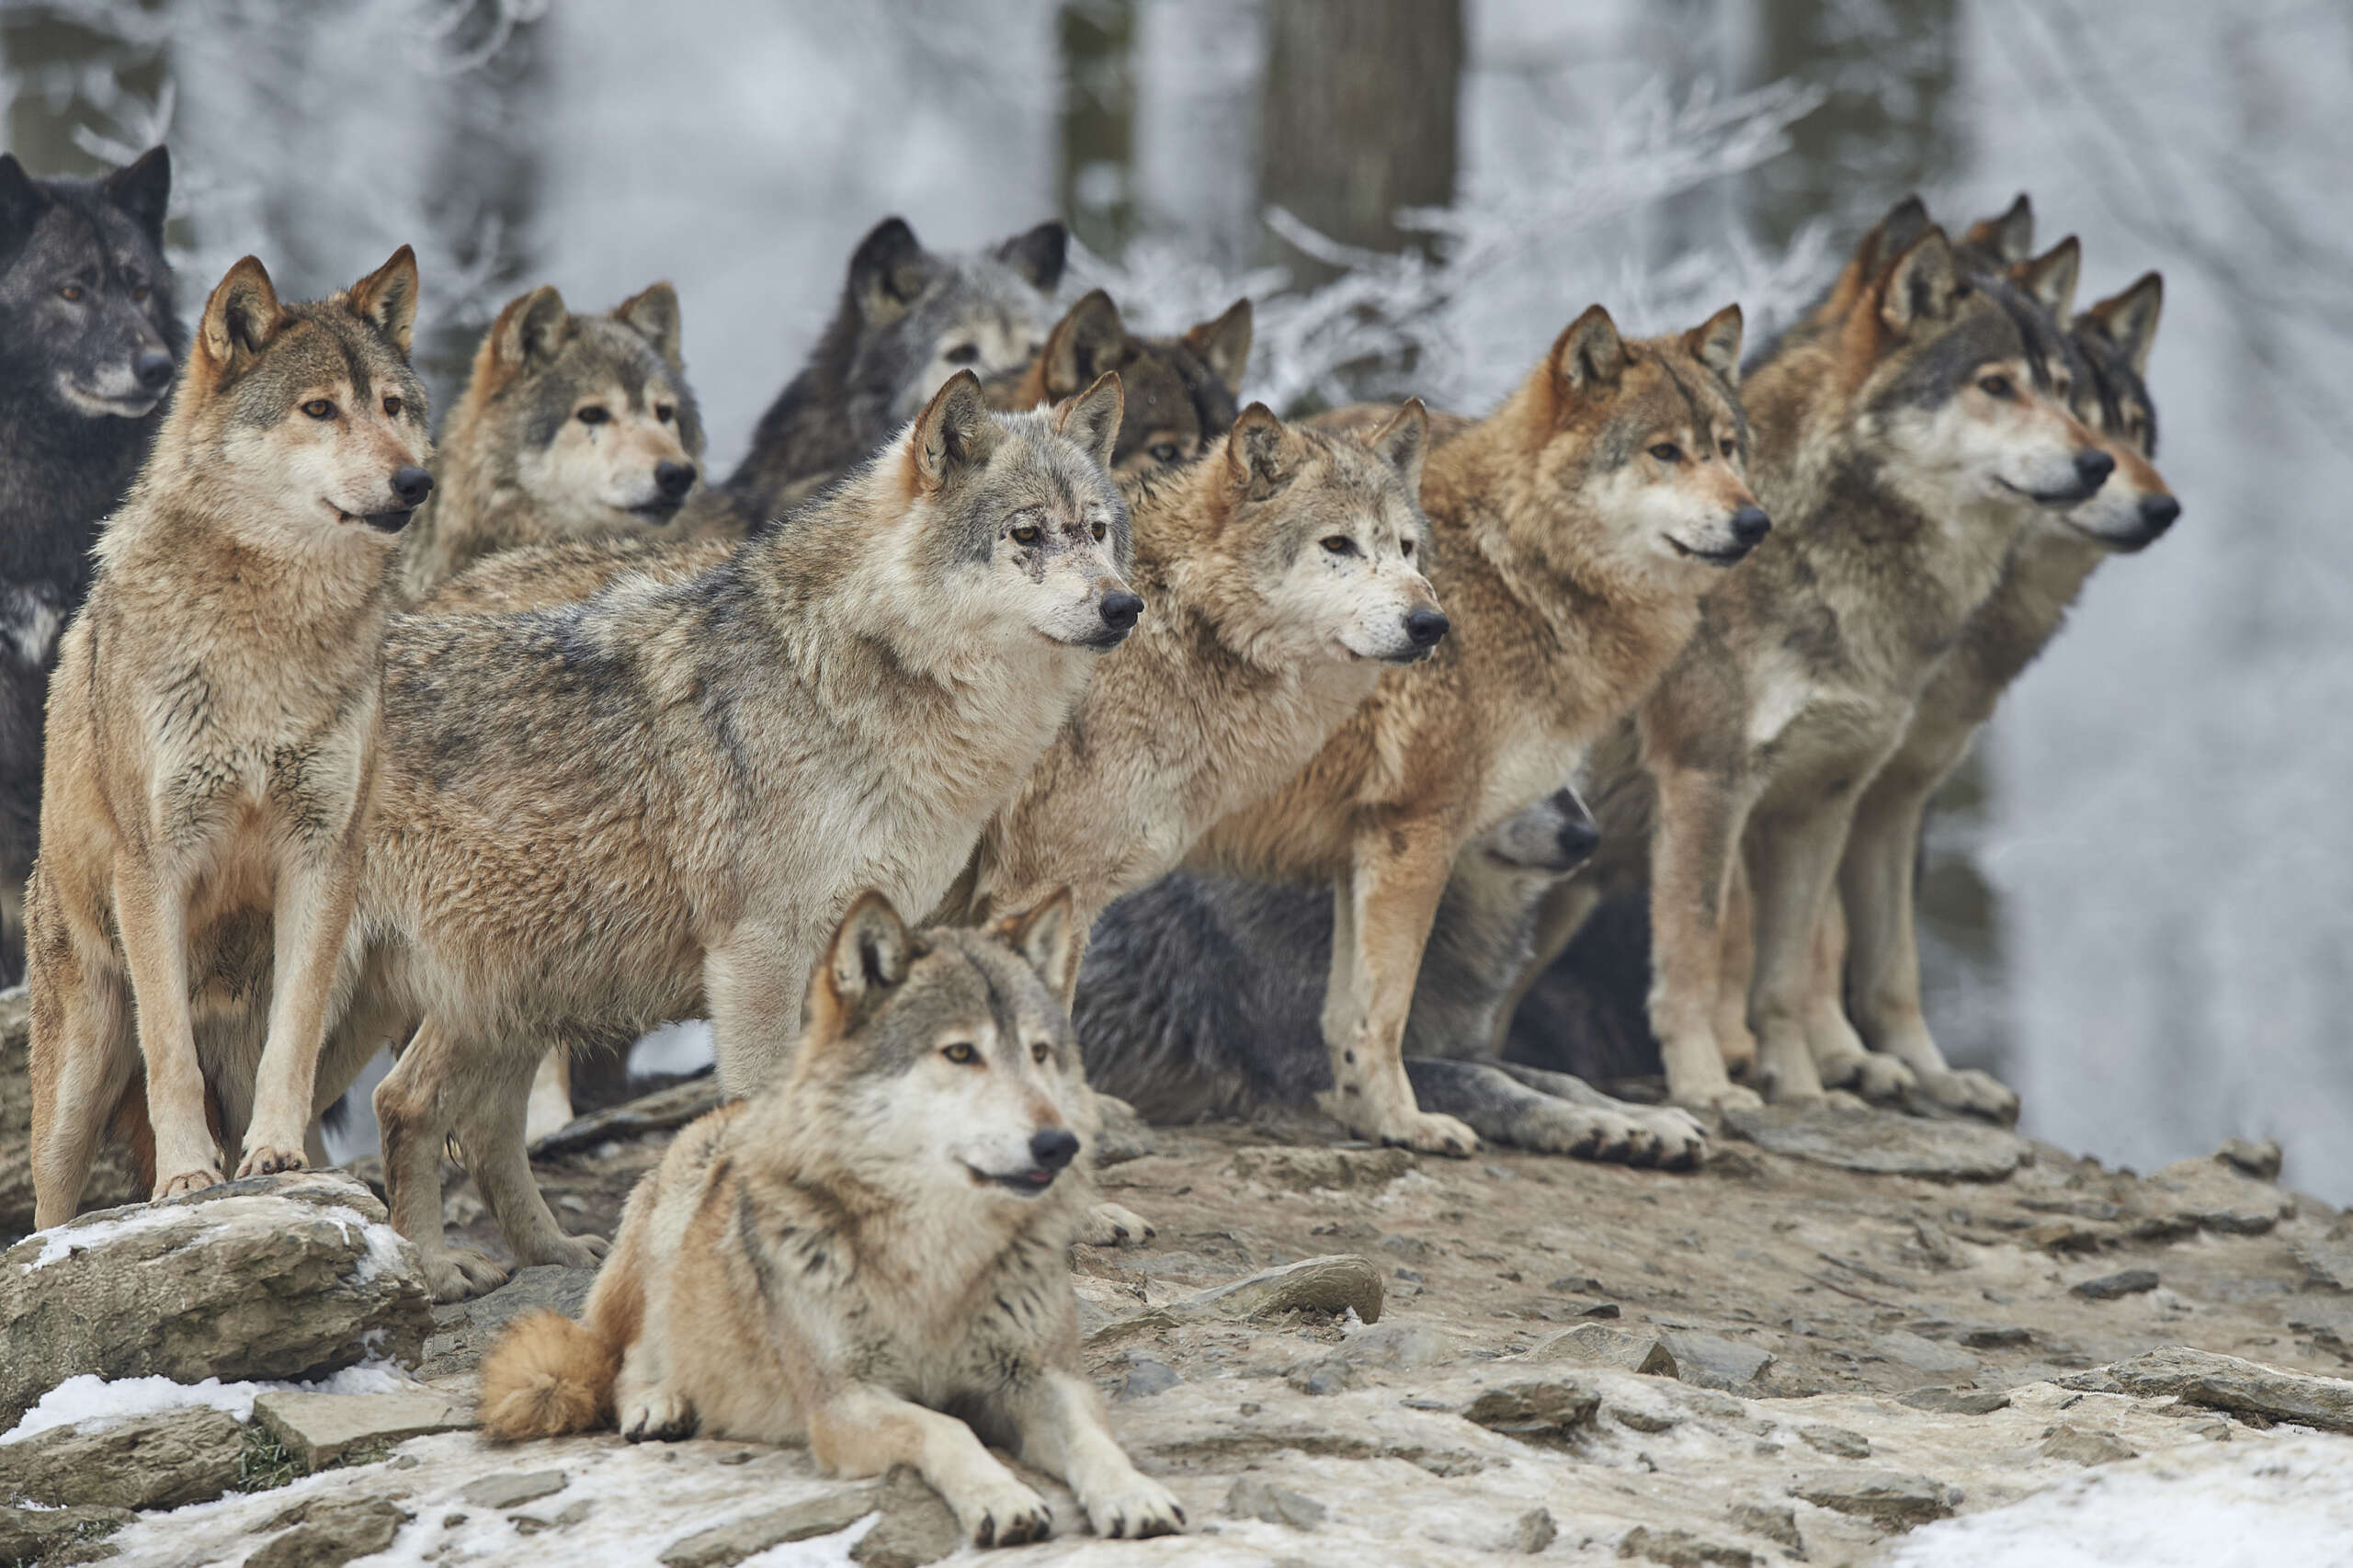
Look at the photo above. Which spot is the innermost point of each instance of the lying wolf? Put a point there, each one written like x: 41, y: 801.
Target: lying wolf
x: 572, y: 427
x: 214, y: 742
x: 872, y: 1241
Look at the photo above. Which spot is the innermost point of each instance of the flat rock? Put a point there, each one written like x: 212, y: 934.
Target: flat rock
x: 2258, y: 1157
x: 112, y: 1181
x: 464, y: 1331
x: 1774, y: 1523
x: 2327, y: 1259
x: 1333, y: 1284
x: 1924, y: 1355
x: 2213, y: 1196
x: 1957, y: 1402
x: 1887, y: 1499
x: 1681, y: 1548
x: 1147, y: 1377
x: 35, y: 1534
x: 1539, y: 1408
x: 1305, y: 1170
x: 1591, y: 1344
x: 164, y: 1460
x: 1836, y: 1441
x: 320, y: 1428
x: 1714, y: 1362
x: 2112, y: 1286
x: 724, y: 1545
x: 657, y: 1112
x: 328, y: 1533
x: 2226, y: 1383
x: 2087, y: 1448
x: 1252, y: 1498
x: 514, y: 1489
x: 1882, y: 1143
x: 290, y: 1275
x: 1532, y: 1532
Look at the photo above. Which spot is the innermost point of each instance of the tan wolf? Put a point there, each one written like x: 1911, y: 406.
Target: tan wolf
x: 212, y: 740
x: 572, y: 427
x: 1576, y: 528
x: 875, y: 1240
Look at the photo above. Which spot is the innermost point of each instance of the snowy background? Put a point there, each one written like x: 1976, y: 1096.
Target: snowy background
x: 2140, y: 898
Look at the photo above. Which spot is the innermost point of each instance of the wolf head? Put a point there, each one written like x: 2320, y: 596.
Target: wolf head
x: 1548, y: 839
x: 306, y: 412
x: 922, y: 316
x: 87, y: 318
x: 944, y: 1060
x: 1647, y: 433
x: 2135, y: 507
x: 589, y: 416
x: 1181, y: 390
x: 1013, y: 524
x: 1323, y: 537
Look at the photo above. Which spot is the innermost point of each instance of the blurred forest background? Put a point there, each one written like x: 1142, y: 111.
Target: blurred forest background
x: 2141, y: 893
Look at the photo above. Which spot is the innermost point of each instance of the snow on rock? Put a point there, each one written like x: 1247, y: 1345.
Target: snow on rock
x: 89, y: 1397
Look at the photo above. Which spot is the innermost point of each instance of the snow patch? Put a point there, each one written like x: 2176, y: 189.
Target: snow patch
x: 63, y: 1240
x: 90, y: 1397
x: 674, y: 1051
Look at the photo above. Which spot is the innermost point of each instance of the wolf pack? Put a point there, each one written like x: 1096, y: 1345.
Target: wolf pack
x: 1028, y: 720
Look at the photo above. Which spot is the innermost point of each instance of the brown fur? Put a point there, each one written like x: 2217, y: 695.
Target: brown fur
x: 1182, y: 391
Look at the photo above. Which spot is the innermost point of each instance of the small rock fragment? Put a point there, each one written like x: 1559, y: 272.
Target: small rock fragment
x: 1629, y: 1350
x: 35, y: 1534
x: 1533, y: 1531
x: 724, y: 1545
x: 2111, y: 1287
x: 1305, y: 1170
x: 320, y: 1428
x: 1882, y: 1144
x: 1836, y: 1441
x: 1323, y: 1376
x: 1645, y: 1421
x: 2087, y: 1448
x: 1147, y: 1377
x: 1887, y: 1499
x: 1333, y: 1284
x: 1713, y: 1361
x: 1549, y: 1408
x: 1957, y: 1402
x: 2217, y: 1197
x: 1776, y: 1524
x: 1923, y: 1355
x: 1681, y: 1548
x: 328, y: 1534
x: 166, y: 1459
x: 2259, y: 1158
x: 513, y: 1489
x: 1252, y: 1498
x: 2226, y: 1383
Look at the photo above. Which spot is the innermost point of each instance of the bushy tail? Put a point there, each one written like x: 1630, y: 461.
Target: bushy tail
x: 547, y: 1376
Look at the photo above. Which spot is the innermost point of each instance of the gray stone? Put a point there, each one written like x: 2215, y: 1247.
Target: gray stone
x: 1538, y: 1409
x: 1533, y: 1531
x: 2259, y: 1158
x: 1394, y: 1347
x: 164, y: 1460
x: 1147, y: 1377
x: 464, y: 1331
x: 2214, y: 1197
x: 2079, y: 1446
x: 1882, y: 1143
x: 2111, y: 1287
x: 514, y: 1488
x: 1836, y: 1441
x: 1592, y: 1345
x: 1890, y: 1501
x: 1333, y: 1284
x: 1323, y: 1376
x: 2327, y: 1259
x: 917, y: 1527
x: 2226, y: 1383
x: 657, y: 1112
x: 1714, y: 1362
x: 1924, y: 1355
x: 112, y: 1181
x: 730, y: 1543
x: 1647, y: 1421
x: 1957, y: 1402
x: 290, y: 1275
x: 1252, y: 1498
x: 42, y: 1535
x: 1777, y: 1525
x: 320, y: 1428
x: 1305, y: 1170
x: 328, y: 1533
x: 1681, y: 1548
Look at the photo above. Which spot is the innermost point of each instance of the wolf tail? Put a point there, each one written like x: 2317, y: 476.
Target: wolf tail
x: 548, y: 1376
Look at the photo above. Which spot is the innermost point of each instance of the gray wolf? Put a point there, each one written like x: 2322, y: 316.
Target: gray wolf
x: 214, y: 737
x: 909, y: 318
x: 1196, y: 999
x: 1577, y: 528
x: 603, y: 814
x: 89, y: 339
x: 1182, y: 391
x: 867, y: 1244
x: 572, y: 427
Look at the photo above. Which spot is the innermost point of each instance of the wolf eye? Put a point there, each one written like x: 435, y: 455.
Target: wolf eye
x: 1405, y: 549
x: 961, y: 1053
x: 393, y: 406
x: 1040, y: 1051
x: 139, y: 293
x: 319, y: 408
x: 1995, y: 386
x: 1667, y: 452
x: 1728, y: 447
x: 665, y: 412
x: 1339, y: 544
x: 1100, y: 530
x: 962, y: 354
x: 1163, y: 452
x: 595, y: 413
x: 71, y: 291
x: 1027, y: 533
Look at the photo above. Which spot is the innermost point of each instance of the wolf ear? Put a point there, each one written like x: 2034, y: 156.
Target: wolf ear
x: 653, y: 315
x: 1588, y: 356
x: 1224, y: 345
x: 1258, y: 451
x: 1403, y: 442
x: 241, y: 317
x: 2009, y: 236
x: 1922, y: 285
x: 2130, y: 320
x: 1086, y: 343
x: 528, y: 331
x: 954, y: 433
x: 2051, y: 279
x: 888, y: 270
x: 1037, y: 255
x: 1092, y: 418
x: 1715, y: 343
x: 21, y: 202
x: 1047, y: 936
x: 869, y: 955
x: 142, y: 189
x: 388, y: 297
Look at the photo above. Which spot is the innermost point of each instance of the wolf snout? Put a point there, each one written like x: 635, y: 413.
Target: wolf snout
x: 1121, y: 609
x: 674, y: 479
x: 1750, y: 525
x: 411, y: 484
x: 153, y: 368
x: 1424, y: 625
x: 1053, y: 1147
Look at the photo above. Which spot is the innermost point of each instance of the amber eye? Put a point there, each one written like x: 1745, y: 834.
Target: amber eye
x: 1667, y: 452
x: 1026, y: 534
x: 962, y: 354
x: 665, y: 412
x: 595, y: 413
x: 1101, y: 531
x: 1040, y: 1051
x: 1728, y: 447
x: 393, y: 406
x: 319, y: 408
x: 1163, y: 452
x: 71, y: 291
x: 1996, y: 386
x: 1339, y: 544
x: 961, y: 1053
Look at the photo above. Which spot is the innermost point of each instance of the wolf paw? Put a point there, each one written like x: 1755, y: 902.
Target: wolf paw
x: 658, y: 1415
x: 1427, y: 1132
x: 269, y: 1159
x: 453, y: 1274
x: 1674, y: 1139
x: 1005, y: 1513
x: 187, y: 1181
x: 1110, y: 1225
x: 1720, y: 1097
x: 1883, y: 1080
x: 1972, y: 1092
x: 572, y: 1252
x: 1141, y: 1508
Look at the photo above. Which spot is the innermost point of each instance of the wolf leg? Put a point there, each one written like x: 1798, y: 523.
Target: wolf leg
x: 1692, y: 846
x: 1059, y: 1420
x: 83, y: 1052
x: 647, y: 1409
x: 1674, y: 1137
x: 311, y: 917
x: 551, y: 1105
x: 1735, y: 1042
x: 862, y: 1430
x: 151, y: 913
x: 1566, y: 907
x: 1380, y: 919
x: 415, y: 1110
x: 1502, y: 1110
x: 490, y: 1129
x: 1792, y: 858
x: 752, y: 981
x: 1840, y: 1058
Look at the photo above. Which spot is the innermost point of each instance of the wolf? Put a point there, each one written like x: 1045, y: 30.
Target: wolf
x: 572, y: 427
x: 1183, y: 392
x: 1576, y: 528
x: 213, y: 740
x: 598, y: 816
x: 867, y: 1244
x: 1195, y: 1001
x: 89, y: 341
x: 909, y: 318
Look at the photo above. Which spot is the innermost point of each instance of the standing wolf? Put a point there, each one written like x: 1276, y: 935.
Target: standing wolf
x: 213, y: 746
x: 600, y: 817
x: 88, y: 341
x: 572, y: 427
x: 909, y: 318
x: 874, y: 1241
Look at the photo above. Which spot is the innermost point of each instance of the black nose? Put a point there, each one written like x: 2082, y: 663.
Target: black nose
x: 1426, y: 627
x: 411, y: 484
x: 1580, y: 837
x: 1750, y: 524
x: 1120, y: 612
x: 2157, y: 513
x: 153, y: 368
x: 2093, y: 468
x: 1054, y: 1148
x: 673, y: 479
